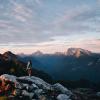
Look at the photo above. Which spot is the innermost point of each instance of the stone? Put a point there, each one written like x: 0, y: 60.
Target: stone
x: 39, y: 91
x: 37, y: 81
x: 27, y: 94
x: 7, y: 77
x: 62, y: 89
x: 17, y: 92
x: 34, y: 88
x: 19, y: 85
x: 31, y: 88
x: 98, y: 94
x: 63, y: 97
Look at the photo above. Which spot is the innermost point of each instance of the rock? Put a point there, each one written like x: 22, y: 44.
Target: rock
x: 31, y: 88
x: 62, y: 89
x: 63, y: 97
x: 39, y: 82
x: 31, y: 95
x: 98, y: 94
x: 17, y: 92
x: 19, y: 85
x: 27, y: 94
x: 39, y: 91
x: 43, y: 97
x: 24, y: 81
x: 7, y: 77
x: 34, y: 88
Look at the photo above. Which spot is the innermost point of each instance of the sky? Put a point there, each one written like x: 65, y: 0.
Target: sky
x: 49, y: 25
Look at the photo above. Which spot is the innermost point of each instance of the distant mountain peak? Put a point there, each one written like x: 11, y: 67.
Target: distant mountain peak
x: 77, y: 52
x: 9, y: 55
x: 8, y: 52
x: 37, y: 53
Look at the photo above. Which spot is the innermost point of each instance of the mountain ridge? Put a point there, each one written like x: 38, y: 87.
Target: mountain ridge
x: 75, y: 65
x: 82, y: 63
x: 70, y: 52
x: 11, y: 64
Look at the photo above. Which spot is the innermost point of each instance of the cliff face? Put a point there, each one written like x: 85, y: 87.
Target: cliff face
x: 77, y: 52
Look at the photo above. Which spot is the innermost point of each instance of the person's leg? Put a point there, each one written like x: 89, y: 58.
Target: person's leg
x: 29, y: 72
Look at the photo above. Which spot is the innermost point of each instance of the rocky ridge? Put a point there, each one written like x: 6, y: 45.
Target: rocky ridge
x: 31, y: 88
x: 34, y: 88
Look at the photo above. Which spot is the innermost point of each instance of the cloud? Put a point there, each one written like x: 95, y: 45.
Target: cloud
x: 98, y: 2
x: 47, y: 23
x: 69, y: 15
x: 90, y: 44
x: 77, y: 20
x: 39, y: 2
x: 21, y: 12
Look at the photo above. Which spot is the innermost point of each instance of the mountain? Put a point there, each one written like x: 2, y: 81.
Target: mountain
x: 21, y: 54
x: 9, y: 55
x: 74, y: 64
x: 77, y: 52
x: 37, y: 53
x: 11, y: 64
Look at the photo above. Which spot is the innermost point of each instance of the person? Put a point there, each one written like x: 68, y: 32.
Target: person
x: 29, y: 68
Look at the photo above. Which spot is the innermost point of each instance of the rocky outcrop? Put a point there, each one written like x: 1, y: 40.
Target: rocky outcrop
x: 32, y: 88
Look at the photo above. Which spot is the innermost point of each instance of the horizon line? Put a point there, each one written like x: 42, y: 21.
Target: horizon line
x: 43, y: 52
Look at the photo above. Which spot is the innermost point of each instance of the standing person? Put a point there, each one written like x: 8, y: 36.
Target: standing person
x: 29, y: 68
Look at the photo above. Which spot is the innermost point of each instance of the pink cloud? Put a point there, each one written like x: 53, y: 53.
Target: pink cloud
x: 21, y: 12
x: 69, y: 15
x: 91, y: 44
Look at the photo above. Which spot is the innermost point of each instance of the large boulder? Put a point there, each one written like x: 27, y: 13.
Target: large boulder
x: 98, y: 94
x: 63, y: 97
x: 27, y: 94
x: 7, y: 77
x: 39, y: 82
x: 62, y: 89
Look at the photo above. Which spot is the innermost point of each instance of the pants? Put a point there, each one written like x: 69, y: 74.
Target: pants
x: 29, y: 72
